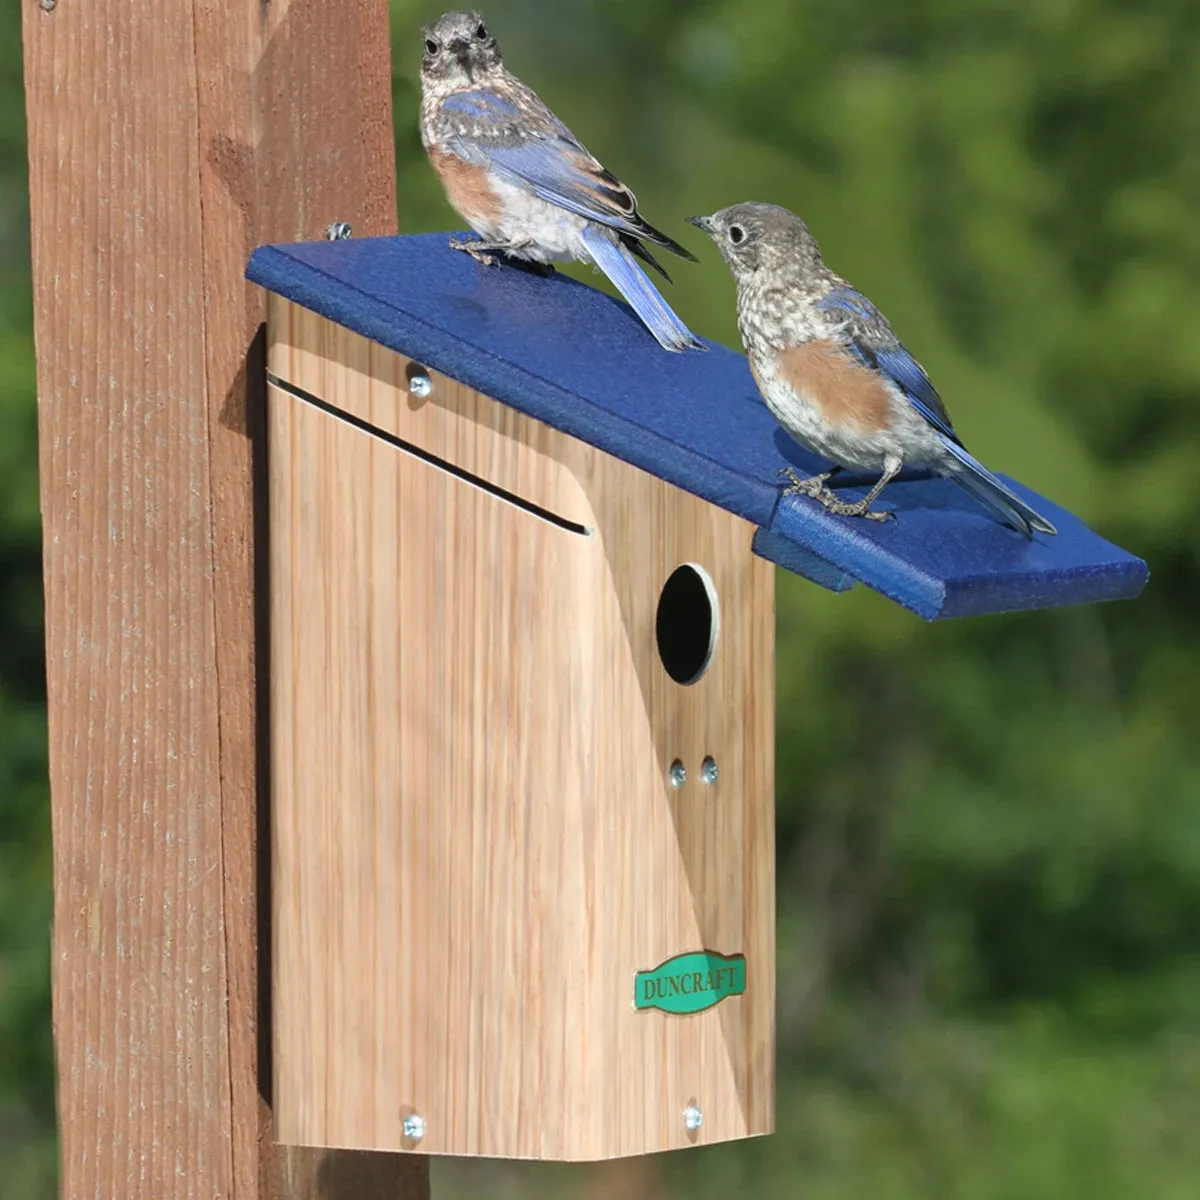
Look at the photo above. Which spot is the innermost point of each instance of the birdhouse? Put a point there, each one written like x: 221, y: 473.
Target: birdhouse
x: 522, y: 703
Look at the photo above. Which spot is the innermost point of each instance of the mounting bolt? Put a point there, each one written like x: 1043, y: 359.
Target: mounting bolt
x: 677, y: 774
x: 414, y: 1127
x: 420, y: 385
x: 708, y: 770
x: 693, y: 1118
x: 337, y: 232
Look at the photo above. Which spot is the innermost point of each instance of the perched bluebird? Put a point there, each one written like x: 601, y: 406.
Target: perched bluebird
x: 834, y: 374
x: 523, y: 181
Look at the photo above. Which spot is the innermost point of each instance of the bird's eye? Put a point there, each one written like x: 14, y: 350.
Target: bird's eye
x: 737, y: 234
x: 431, y: 47
x: 481, y: 32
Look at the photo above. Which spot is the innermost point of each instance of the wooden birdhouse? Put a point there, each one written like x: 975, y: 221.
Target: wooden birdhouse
x: 522, y: 704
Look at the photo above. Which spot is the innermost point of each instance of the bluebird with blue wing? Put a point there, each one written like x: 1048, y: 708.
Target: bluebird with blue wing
x: 524, y: 182
x: 834, y: 374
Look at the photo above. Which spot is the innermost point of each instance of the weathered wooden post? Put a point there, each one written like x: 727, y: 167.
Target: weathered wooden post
x: 166, y: 139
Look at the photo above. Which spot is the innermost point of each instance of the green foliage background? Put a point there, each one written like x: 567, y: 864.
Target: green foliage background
x: 989, y: 831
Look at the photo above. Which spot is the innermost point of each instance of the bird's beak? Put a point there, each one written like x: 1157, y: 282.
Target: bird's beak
x: 704, y: 223
x: 459, y: 48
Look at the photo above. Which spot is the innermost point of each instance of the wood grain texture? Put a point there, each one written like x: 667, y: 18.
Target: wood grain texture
x: 167, y: 138
x: 475, y: 843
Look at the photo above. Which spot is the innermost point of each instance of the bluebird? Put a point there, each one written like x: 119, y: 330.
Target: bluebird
x: 524, y: 182
x: 834, y: 374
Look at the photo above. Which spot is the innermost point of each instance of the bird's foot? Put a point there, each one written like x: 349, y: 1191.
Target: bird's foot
x: 477, y: 250
x: 860, y: 508
x: 813, y: 486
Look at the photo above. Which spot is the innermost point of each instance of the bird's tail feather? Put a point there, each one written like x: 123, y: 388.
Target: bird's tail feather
x: 661, y: 239
x: 634, y: 284
x: 995, y: 496
x: 639, y: 248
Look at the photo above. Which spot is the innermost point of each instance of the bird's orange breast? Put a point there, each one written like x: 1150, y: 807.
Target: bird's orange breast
x: 467, y: 187
x: 843, y: 391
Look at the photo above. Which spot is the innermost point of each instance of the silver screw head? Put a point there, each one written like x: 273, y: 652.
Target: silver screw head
x: 338, y: 231
x: 414, y: 1127
x: 708, y: 770
x: 678, y: 774
x: 693, y: 1118
x: 420, y: 385
x: 49, y: 5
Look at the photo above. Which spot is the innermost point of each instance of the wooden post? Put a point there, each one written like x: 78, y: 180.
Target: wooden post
x: 166, y: 139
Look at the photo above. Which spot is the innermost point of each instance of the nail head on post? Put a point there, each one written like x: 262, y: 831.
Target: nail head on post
x: 693, y: 1118
x: 414, y: 1127
x: 678, y: 774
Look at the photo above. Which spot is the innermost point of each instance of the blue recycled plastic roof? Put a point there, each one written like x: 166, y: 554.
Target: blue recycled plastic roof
x: 581, y: 361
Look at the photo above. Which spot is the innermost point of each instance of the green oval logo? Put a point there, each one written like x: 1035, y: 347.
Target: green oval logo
x: 690, y: 983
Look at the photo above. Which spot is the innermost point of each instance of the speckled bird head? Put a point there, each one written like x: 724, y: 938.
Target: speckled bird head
x: 755, y: 238
x: 459, y: 51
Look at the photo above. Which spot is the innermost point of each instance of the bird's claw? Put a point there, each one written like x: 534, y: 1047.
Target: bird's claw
x: 860, y: 509
x: 813, y: 486
x: 475, y: 251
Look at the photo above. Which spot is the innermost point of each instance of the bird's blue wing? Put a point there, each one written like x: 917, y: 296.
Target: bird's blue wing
x: 483, y: 106
x: 870, y: 338
x: 537, y: 150
x: 570, y: 177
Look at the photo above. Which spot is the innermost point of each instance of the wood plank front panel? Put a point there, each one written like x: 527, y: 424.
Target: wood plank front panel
x: 472, y: 737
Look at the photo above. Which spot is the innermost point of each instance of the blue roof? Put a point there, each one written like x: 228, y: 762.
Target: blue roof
x: 580, y: 361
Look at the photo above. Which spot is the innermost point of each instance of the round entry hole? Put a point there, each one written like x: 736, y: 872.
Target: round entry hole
x: 687, y: 624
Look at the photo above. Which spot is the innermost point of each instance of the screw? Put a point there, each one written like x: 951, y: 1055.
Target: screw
x: 49, y: 5
x: 420, y: 385
x: 337, y: 232
x: 414, y: 1127
x: 678, y: 774
x: 693, y: 1118
x: 708, y: 770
